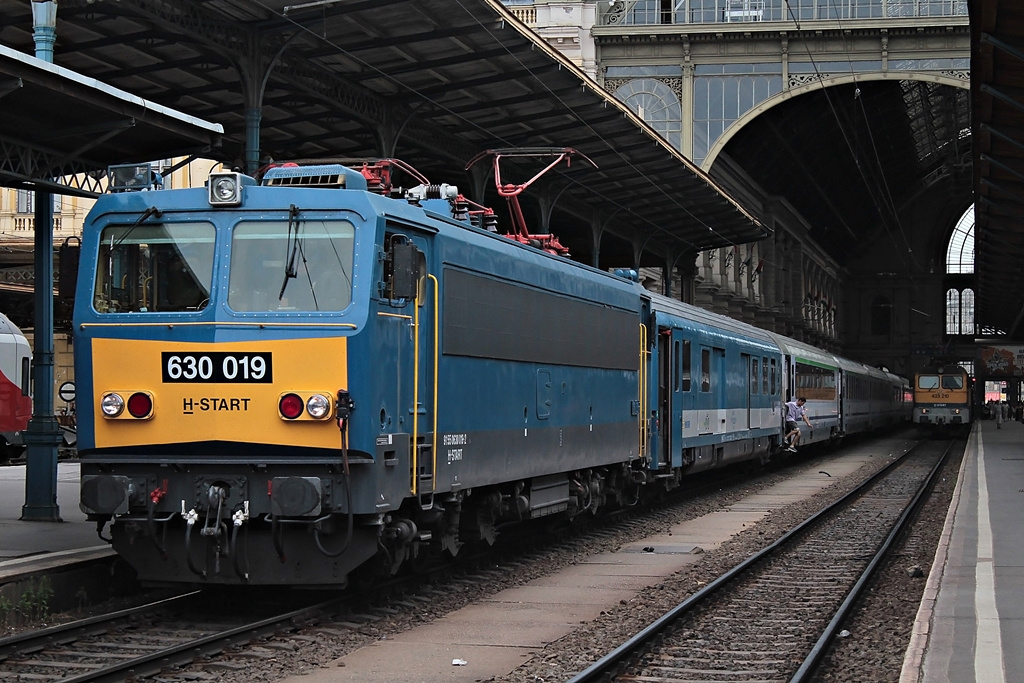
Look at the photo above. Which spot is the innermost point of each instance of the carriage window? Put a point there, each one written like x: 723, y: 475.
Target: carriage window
x: 816, y: 382
x: 764, y: 372
x: 154, y: 268
x: 306, y: 267
x: 705, y: 369
x: 928, y: 382
x: 774, y: 385
x: 755, y: 375
x: 686, y: 366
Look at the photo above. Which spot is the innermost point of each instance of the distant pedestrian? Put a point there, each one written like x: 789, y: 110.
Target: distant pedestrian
x: 1000, y: 410
x: 795, y: 410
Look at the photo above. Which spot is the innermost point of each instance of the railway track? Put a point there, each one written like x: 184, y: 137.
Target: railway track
x: 141, y: 641
x: 167, y: 636
x: 175, y: 640
x: 772, y: 617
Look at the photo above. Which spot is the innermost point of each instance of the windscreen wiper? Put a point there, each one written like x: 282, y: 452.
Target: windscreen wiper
x: 147, y: 214
x: 292, y: 248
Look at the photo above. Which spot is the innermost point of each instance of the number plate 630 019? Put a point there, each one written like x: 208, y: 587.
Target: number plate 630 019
x: 219, y: 367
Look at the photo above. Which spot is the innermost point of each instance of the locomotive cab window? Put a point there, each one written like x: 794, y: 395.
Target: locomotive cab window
x: 928, y: 382
x: 305, y: 267
x: 952, y: 382
x: 154, y: 268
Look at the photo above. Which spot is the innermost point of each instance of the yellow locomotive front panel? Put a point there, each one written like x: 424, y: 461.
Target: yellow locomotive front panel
x: 262, y: 392
x: 942, y: 397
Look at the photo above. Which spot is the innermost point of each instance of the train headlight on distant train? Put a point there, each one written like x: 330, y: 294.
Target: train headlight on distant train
x: 318, y: 406
x: 112, y: 405
x: 290, y: 406
x: 925, y: 411
x: 225, y: 189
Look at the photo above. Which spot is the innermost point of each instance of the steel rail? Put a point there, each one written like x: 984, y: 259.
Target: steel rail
x: 186, y: 653
x: 810, y: 663
x: 154, y: 662
x: 609, y: 665
x: 31, y: 641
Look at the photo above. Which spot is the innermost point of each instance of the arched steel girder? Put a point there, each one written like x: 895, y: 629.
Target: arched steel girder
x: 775, y: 100
x: 855, y: 134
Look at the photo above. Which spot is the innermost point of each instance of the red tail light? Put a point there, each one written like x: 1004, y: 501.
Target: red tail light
x: 140, y: 405
x: 291, y: 406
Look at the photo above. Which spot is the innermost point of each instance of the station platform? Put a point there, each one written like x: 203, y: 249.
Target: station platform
x: 39, y: 546
x: 971, y: 620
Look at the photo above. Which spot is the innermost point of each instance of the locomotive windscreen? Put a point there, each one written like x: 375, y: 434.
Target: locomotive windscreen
x: 154, y: 268
x: 303, y: 267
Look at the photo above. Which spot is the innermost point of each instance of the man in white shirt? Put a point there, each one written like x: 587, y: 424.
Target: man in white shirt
x: 795, y: 411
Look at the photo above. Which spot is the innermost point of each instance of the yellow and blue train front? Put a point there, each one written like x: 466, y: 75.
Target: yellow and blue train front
x: 202, y: 453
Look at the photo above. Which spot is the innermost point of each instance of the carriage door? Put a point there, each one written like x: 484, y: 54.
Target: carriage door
x: 754, y: 392
x: 711, y: 411
x: 740, y: 418
x: 788, y: 386
x: 666, y: 411
x: 409, y: 278
x: 719, y: 386
x: 841, y: 396
x: 425, y: 362
x: 683, y: 407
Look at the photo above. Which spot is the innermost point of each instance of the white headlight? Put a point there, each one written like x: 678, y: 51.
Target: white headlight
x: 111, y: 405
x: 225, y: 189
x: 318, y: 406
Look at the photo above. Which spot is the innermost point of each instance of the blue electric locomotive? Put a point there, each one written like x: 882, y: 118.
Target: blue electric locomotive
x: 292, y: 380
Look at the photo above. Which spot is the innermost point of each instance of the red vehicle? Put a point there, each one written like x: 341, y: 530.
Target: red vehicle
x: 15, y: 388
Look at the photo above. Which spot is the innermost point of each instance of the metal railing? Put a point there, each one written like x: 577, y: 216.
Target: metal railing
x: 657, y: 12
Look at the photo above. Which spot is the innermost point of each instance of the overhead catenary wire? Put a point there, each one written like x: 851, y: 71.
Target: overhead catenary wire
x: 890, y: 208
x: 890, y: 202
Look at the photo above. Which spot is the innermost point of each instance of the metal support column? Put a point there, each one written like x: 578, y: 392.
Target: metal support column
x: 43, y: 434
x: 253, y: 117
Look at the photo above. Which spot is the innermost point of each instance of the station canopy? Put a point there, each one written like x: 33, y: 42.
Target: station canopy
x: 59, y: 130
x: 432, y: 82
